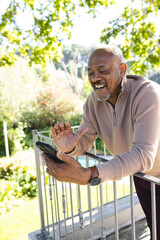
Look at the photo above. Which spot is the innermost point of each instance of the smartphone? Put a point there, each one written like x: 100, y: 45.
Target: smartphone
x: 49, y: 150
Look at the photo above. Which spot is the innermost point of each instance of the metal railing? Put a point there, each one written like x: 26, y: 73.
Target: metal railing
x: 70, y: 211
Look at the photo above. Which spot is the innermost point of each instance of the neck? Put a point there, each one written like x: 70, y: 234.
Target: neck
x: 113, y: 99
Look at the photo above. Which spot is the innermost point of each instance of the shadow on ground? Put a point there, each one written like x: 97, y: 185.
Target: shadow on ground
x: 142, y: 232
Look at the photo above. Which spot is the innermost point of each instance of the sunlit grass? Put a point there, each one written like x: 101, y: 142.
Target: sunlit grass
x: 20, y: 220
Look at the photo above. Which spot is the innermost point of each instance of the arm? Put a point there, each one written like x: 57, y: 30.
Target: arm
x: 146, y: 137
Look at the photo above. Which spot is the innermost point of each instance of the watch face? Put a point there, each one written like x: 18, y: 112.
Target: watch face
x: 94, y: 181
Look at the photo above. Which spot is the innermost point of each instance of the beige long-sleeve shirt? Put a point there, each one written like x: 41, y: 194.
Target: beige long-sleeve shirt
x: 130, y: 131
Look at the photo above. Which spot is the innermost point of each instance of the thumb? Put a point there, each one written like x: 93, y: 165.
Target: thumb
x: 66, y: 158
x: 80, y: 134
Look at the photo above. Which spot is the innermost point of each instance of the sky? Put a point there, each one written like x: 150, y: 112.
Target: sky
x: 86, y: 30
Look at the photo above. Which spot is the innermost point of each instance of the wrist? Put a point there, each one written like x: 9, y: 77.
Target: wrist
x: 70, y: 151
x: 86, y: 176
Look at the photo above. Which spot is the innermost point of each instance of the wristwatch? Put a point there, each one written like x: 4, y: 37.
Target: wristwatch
x: 95, y: 180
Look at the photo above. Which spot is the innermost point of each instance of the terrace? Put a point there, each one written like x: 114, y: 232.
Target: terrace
x: 109, y: 211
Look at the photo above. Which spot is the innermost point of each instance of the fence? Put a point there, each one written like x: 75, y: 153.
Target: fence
x: 70, y: 211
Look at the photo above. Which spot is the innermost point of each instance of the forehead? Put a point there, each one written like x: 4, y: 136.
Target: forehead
x: 101, y: 58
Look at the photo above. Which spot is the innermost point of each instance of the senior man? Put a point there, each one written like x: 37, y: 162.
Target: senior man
x: 124, y: 111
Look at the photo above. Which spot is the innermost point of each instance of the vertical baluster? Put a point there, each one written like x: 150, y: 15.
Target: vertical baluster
x: 66, y: 193
x: 55, y: 198
x: 64, y: 210
x: 103, y: 235
x: 39, y: 182
x: 70, y: 190
x: 89, y: 204
x: 51, y: 199
x: 81, y: 221
x: 45, y: 194
x: 153, y: 201
x: 59, y: 226
x: 132, y: 208
x: 116, y: 211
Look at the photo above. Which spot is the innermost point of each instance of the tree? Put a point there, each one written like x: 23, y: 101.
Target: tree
x: 47, y: 21
x: 50, y: 20
x: 141, y: 42
x: 74, y: 63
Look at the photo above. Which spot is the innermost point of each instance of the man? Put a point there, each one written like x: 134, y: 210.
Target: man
x: 124, y: 111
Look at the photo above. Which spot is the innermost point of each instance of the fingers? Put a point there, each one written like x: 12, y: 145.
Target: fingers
x: 67, y: 125
x: 66, y: 158
x: 58, y: 128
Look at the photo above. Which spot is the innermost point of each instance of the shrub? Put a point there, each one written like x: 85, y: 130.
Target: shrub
x: 24, y: 179
x: 15, y: 136
x: 100, y: 146
x: 52, y: 105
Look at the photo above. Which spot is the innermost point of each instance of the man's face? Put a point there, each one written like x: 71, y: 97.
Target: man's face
x: 105, y: 73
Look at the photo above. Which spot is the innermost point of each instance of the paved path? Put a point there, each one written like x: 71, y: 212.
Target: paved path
x: 142, y: 232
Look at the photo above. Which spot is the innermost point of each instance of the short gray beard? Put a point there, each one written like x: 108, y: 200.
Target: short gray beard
x: 103, y: 99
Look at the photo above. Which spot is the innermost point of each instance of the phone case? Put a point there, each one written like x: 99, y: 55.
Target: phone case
x: 49, y: 150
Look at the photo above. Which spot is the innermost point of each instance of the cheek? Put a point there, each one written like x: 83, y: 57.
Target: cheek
x: 109, y: 82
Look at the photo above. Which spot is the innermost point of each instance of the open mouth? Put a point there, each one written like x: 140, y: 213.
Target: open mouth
x: 99, y: 86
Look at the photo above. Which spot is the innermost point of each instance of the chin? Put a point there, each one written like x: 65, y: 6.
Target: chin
x: 103, y: 98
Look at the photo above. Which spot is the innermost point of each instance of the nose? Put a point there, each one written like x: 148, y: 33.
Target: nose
x: 95, y: 77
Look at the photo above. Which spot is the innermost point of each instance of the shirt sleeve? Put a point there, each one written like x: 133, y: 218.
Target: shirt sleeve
x: 146, y: 138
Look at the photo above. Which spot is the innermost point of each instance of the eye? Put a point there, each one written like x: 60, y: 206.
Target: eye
x: 104, y: 71
x: 90, y: 74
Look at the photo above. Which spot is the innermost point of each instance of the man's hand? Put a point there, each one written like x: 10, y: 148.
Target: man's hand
x: 71, y: 171
x: 64, y: 138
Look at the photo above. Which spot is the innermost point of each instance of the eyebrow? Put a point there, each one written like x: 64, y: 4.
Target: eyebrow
x: 101, y: 66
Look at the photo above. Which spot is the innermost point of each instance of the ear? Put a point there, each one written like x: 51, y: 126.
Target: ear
x: 123, y: 69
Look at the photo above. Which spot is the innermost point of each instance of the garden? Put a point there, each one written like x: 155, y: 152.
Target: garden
x: 37, y: 100
x: 43, y: 82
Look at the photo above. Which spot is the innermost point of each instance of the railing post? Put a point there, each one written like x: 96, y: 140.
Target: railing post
x: 43, y: 230
x: 116, y: 211
x: 6, y: 137
x: 132, y: 207
x: 153, y: 204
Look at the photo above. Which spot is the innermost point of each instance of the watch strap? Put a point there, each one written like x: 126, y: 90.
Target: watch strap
x: 94, y: 180
x: 94, y: 172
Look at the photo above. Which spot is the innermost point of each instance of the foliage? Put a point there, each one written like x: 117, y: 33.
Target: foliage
x: 41, y: 38
x: 16, y: 181
x: 15, y: 135
x: 100, y: 146
x: 51, y: 106
x: 141, y: 44
x: 51, y: 21
x: 18, y: 85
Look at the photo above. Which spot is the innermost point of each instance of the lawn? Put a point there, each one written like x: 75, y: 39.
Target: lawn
x: 20, y: 220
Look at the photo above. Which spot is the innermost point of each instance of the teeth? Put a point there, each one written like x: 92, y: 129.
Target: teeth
x: 99, y: 86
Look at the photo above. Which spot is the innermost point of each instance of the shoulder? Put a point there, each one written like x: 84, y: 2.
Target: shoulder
x: 143, y: 91
x: 141, y: 85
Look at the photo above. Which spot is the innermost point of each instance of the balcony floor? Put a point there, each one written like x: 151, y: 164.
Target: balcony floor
x: 142, y: 232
